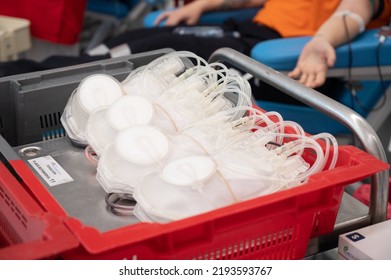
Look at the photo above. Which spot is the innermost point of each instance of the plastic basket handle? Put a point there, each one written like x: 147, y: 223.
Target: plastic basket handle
x: 344, y: 115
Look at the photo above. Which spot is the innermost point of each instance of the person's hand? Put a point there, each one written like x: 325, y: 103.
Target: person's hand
x: 188, y: 14
x: 316, y: 57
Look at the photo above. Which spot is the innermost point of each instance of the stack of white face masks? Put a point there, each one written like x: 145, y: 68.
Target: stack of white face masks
x: 181, y: 136
x: 140, y: 150
x: 166, y: 93
x: 242, y: 159
x: 93, y: 92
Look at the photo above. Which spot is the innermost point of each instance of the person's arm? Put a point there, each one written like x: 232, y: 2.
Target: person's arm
x: 190, y: 13
x: 319, y: 53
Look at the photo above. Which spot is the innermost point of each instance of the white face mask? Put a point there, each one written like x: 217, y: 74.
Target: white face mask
x: 99, y: 134
x: 93, y: 92
x: 135, y: 152
x: 274, y: 159
x: 250, y: 176
x: 183, y: 188
x: 196, y: 184
x: 153, y: 79
x: 248, y: 165
x: 104, y: 123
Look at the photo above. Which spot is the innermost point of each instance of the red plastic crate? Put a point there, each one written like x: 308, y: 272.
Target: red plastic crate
x: 276, y: 226
x: 26, y: 230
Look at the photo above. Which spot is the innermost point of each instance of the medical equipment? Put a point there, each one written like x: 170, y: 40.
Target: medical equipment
x: 356, y: 17
x: 243, y: 150
x: 56, y: 215
x: 104, y: 122
x: 93, y: 92
x: 197, y: 93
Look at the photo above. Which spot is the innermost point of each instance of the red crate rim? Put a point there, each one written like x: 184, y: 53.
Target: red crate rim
x: 363, y: 165
x: 55, y: 236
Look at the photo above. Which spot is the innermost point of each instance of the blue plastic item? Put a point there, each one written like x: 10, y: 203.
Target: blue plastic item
x: 116, y: 8
x: 276, y: 55
x: 207, y: 18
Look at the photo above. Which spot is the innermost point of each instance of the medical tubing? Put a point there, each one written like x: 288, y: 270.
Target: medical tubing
x: 223, y: 131
x: 208, y: 73
x: 88, y: 154
x: 200, y: 71
x: 329, y: 137
x: 225, y: 82
x: 278, y: 128
x: 194, y: 77
x: 160, y: 63
x: 244, y: 97
x: 236, y: 82
x: 207, y: 105
x: 310, y: 143
x: 223, y: 120
x: 327, y: 149
x: 178, y: 55
x: 231, y: 77
x: 220, y: 75
x: 248, y: 109
x: 295, y: 147
x: 265, y: 115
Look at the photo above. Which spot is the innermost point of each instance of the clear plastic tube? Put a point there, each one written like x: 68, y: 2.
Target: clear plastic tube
x: 329, y: 139
x: 90, y: 155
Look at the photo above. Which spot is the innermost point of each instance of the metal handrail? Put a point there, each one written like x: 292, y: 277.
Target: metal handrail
x: 353, y: 121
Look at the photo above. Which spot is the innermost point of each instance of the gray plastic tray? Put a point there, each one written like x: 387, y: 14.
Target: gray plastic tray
x: 29, y: 113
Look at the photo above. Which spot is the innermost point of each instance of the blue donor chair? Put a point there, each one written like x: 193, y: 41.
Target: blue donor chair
x: 207, y: 18
x: 364, y: 63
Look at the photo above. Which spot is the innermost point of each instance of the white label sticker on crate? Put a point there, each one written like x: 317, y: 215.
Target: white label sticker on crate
x: 49, y: 169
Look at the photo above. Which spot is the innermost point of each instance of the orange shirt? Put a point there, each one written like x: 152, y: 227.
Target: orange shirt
x: 303, y: 17
x: 384, y: 18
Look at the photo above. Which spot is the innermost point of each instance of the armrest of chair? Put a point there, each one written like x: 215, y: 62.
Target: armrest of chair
x: 282, y: 54
x: 208, y: 18
x: 117, y: 9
